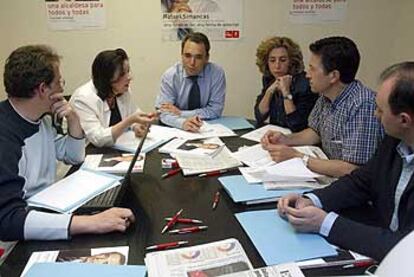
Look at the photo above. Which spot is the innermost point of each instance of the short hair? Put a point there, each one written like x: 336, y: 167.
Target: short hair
x: 401, y: 98
x: 198, y: 38
x: 338, y: 53
x: 27, y: 67
x: 295, y: 54
x: 104, y: 66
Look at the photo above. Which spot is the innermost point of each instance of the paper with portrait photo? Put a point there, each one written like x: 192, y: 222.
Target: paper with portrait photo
x: 113, y: 163
x: 105, y: 255
x: 196, y: 147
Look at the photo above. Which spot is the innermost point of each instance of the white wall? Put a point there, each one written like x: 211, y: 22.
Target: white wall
x: 381, y: 28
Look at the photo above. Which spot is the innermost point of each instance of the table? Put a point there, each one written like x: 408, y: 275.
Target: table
x: 151, y: 199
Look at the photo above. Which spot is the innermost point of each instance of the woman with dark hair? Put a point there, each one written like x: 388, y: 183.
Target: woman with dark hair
x: 286, y: 98
x: 104, y: 103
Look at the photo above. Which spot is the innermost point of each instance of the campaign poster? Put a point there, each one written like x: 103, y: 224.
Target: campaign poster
x: 75, y: 14
x: 218, y: 19
x: 317, y: 11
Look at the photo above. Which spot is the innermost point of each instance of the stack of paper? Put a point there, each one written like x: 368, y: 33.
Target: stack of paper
x: 196, y: 147
x: 113, y: 163
x: 242, y: 192
x: 211, y: 259
x: 257, y: 134
x: 196, y: 165
x: 281, y: 270
x: 277, y: 242
x: 290, y: 170
x: 158, y: 135
x: 70, y: 193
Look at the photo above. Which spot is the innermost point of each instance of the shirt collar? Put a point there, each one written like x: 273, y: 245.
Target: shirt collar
x: 405, y: 151
x: 343, y: 95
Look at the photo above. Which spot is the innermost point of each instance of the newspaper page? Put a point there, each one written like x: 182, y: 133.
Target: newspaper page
x: 281, y: 270
x: 211, y: 259
x: 218, y: 19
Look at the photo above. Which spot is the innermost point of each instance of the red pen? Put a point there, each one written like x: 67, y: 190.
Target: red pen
x: 2, y: 252
x: 213, y: 173
x: 188, y: 230
x: 170, y: 173
x: 172, y: 221
x: 216, y: 200
x: 360, y: 264
x: 186, y: 220
x: 166, y: 245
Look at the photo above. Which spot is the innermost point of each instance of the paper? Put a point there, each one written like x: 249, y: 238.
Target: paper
x: 85, y: 270
x: 196, y: 147
x: 157, y: 136
x: 211, y: 259
x: 277, y: 242
x: 113, y: 163
x: 282, y: 270
x: 109, y: 255
x: 257, y: 134
x: 289, y: 170
x: 207, y: 130
x: 242, y: 192
x: 73, y: 191
x: 197, y: 165
x: 233, y: 122
x: 254, y: 156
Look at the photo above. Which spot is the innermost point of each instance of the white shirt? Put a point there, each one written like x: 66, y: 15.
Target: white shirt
x: 95, y: 114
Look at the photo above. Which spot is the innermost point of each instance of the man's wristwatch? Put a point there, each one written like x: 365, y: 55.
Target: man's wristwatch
x: 305, y: 160
x: 288, y: 97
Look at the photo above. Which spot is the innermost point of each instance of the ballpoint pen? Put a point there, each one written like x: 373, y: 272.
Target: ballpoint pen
x: 172, y: 221
x: 186, y: 220
x: 166, y: 245
x: 213, y: 173
x: 216, y: 200
x: 170, y: 173
x: 360, y: 264
x: 188, y: 230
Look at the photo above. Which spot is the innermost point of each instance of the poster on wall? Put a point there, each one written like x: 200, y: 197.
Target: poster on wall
x: 75, y: 14
x: 317, y: 11
x: 218, y: 19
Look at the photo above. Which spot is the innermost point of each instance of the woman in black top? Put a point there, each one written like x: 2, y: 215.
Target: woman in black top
x: 286, y: 97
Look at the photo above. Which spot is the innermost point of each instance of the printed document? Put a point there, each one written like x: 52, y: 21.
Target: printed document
x: 257, y: 134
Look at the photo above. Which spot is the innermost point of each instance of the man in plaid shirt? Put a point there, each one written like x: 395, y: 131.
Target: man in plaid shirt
x: 343, y: 119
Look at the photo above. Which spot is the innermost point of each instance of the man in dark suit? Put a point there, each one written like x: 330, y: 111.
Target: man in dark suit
x: 385, y: 181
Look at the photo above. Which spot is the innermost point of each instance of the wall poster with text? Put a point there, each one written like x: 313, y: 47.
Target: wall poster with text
x: 75, y: 14
x: 317, y: 11
x: 218, y: 19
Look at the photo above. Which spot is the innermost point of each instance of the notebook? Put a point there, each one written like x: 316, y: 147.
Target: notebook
x: 112, y: 197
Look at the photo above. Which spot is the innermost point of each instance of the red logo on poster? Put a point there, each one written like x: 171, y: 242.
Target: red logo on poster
x: 232, y: 34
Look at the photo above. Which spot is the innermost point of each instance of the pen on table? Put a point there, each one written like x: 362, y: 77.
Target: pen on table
x: 213, y: 173
x: 166, y: 245
x: 188, y: 230
x: 170, y: 173
x: 186, y: 220
x: 172, y: 221
x: 359, y: 264
x: 216, y: 200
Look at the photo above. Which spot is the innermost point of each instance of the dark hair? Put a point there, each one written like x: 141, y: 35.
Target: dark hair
x: 104, y: 66
x: 27, y: 67
x: 338, y: 53
x: 197, y: 38
x: 401, y: 98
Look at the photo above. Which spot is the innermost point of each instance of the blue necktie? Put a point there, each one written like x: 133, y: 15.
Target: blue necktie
x: 194, y: 101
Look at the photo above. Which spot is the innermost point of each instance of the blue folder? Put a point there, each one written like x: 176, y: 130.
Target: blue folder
x: 276, y: 240
x: 84, y: 270
x: 233, y: 122
x: 242, y: 192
